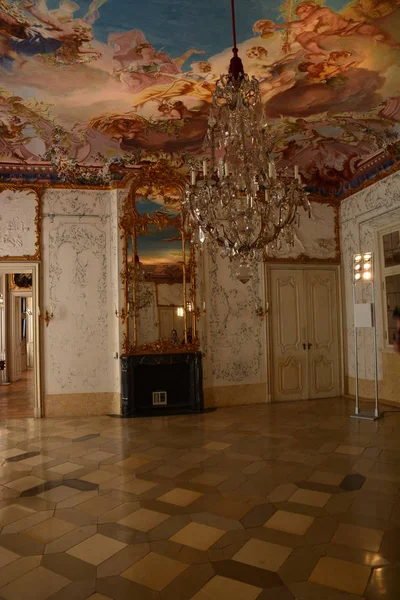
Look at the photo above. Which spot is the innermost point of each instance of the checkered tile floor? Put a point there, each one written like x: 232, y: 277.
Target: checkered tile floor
x: 280, y: 502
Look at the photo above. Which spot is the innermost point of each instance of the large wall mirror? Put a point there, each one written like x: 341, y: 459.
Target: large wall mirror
x: 159, y: 271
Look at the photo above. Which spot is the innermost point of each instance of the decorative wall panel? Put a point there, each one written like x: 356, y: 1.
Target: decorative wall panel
x: 234, y: 343
x: 20, y: 224
x: 80, y: 262
x: 317, y: 238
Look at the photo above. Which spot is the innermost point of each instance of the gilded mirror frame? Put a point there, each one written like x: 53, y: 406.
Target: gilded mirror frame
x: 37, y: 223
x: 162, y: 180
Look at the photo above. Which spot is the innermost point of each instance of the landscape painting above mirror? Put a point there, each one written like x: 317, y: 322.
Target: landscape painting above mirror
x: 109, y: 79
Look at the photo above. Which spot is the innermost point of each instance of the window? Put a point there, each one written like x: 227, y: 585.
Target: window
x: 391, y: 275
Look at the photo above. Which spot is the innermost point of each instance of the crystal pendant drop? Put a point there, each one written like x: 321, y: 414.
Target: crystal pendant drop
x: 243, y: 272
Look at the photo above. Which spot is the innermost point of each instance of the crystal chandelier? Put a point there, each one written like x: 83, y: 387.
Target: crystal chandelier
x: 239, y: 201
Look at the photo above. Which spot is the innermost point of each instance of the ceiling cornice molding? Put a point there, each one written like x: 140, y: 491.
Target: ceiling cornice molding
x: 46, y: 175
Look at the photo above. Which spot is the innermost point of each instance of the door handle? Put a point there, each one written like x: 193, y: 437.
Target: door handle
x: 309, y: 345
x: 304, y: 346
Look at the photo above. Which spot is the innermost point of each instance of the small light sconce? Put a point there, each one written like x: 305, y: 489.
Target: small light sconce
x: 179, y: 311
x: 48, y: 316
x: 122, y: 314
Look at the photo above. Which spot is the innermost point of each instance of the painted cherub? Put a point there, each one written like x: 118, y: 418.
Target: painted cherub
x: 141, y: 66
x: 13, y: 139
x: 329, y: 68
x: 316, y: 23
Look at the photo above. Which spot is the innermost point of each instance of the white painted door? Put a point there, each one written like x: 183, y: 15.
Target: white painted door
x: 288, y: 335
x: 305, y: 333
x: 322, y: 333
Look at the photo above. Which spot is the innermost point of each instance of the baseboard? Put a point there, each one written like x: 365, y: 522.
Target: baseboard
x: 236, y: 395
x: 82, y: 405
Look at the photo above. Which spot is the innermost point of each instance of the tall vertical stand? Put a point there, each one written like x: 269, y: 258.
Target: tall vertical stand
x: 357, y: 409
x: 376, y: 412
x: 365, y: 316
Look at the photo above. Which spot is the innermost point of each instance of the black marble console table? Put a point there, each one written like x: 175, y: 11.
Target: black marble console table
x: 161, y: 384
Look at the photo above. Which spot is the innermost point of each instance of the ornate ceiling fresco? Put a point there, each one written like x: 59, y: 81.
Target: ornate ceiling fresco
x: 113, y: 80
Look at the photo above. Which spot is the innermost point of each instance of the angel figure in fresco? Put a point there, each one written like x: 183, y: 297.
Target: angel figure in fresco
x: 203, y: 90
x: 329, y: 69
x: 273, y: 77
x: 55, y: 32
x: 17, y: 116
x: 316, y: 23
x: 141, y: 66
x: 173, y: 111
x: 365, y: 10
x: 12, y: 138
x: 201, y: 71
x: 177, y: 129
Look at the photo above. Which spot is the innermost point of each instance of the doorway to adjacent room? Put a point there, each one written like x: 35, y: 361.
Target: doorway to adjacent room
x: 19, y: 341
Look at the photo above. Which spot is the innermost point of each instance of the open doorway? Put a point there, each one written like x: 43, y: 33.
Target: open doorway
x: 19, y: 356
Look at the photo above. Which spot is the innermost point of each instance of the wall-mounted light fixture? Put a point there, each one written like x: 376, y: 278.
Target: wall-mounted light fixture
x: 48, y: 316
x: 121, y: 314
x: 179, y: 311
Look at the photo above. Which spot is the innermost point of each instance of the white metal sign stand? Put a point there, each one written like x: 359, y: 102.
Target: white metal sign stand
x: 365, y: 316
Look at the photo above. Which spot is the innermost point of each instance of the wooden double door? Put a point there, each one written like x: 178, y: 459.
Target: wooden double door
x: 305, y: 333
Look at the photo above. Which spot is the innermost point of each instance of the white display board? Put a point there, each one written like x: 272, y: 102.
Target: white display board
x: 363, y: 315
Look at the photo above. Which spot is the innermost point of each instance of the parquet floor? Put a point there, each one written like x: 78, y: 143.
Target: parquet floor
x: 17, y: 399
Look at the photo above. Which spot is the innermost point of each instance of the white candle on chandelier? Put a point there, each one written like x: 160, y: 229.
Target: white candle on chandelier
x: 204, y: 168
x: 51, y: 309
x: 296, y: 171
x: 193, y: 176
x: 273, y: 170
x: 270, y: 171
x: 220, y: 168
x: 226, y: 170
